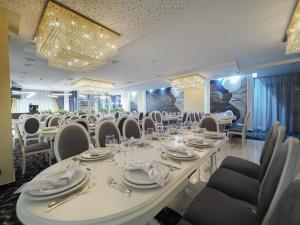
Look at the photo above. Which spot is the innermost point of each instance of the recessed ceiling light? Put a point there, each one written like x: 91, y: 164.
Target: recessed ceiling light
x: 154, y: 61
x: 41, y: 78
x: 159, y: 75
x: 115, y: 61
x: 27, y: 64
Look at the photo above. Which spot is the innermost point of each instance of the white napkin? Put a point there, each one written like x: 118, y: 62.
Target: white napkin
x: 94, y: 152
x: 180, y: 149
x: 149, y: 168
x: 47, y: 184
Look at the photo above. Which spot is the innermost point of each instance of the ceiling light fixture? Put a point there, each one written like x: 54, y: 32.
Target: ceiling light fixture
x: 73, y: 42
x: 89, y: 86
x: 293, y: 32
x: 187, y: 81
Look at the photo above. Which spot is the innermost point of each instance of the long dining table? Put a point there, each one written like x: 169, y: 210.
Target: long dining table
x: 107, y: 205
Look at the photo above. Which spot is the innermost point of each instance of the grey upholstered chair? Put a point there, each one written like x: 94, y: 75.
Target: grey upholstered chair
x: 105, y: 128
x: 209, y: 123
x: 54, y: 121
x: 192, y: 117
x: 83, y: 116
x: 121, y: 124
x: 74, y: 118
x: 71, y: 139
x: 36, y: 148
x: 249, y: 168
x: 141, y: 116
x: 158, y: 121
x: 84, y: 123
x: 47, y: 121
x: 92, y: 119
x: 31, y: 127
x: 152, y: 115
x: 117, y: 115
x: 148, y: 123
x: 213, y: 207
x: 197, y: 119
x: 131, y: 129
x: 184, y: 118
x: 43, y: 118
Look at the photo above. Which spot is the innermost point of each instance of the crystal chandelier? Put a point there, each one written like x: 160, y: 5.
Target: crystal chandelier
x: 293, y: 33
x: 89, y: 86
x: 187, y: 81
x: 73, y: 42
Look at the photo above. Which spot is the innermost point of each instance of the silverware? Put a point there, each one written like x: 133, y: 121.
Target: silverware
x: 168, y: 165
x: 69, y: 197
x: 113, y: 183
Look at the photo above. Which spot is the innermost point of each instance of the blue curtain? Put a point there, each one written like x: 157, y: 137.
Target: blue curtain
x: 273, y: 100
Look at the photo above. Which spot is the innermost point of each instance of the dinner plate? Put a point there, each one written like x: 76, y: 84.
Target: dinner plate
x: 60, y: 194
x: 87, y: 156
x: 179, y: 154
x: 183, y: 158
x: 78, y: 177
x: 139, y: 177
x: 137, y: 186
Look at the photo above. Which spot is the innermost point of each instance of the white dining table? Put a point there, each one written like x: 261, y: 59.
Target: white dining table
x: 107, y: 205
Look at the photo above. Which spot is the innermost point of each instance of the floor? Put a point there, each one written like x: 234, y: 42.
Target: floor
x: 167, y: 216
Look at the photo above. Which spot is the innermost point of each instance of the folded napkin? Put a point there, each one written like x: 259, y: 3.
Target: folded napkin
x: 180, y: 149
x: 149, y: 168
x: 64, y: 177
x: 94, y: 152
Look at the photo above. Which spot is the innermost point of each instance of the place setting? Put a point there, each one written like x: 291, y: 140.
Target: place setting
x: 214, y: 135
x: 95, y: 154
x: 180, y: 152
x: 199, y: 143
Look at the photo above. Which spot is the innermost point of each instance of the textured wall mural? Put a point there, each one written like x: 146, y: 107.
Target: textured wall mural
x: 229, y: 94
x: 164, y: 99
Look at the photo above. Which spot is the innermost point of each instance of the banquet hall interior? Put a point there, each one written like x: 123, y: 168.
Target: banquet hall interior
x: 148, y: 112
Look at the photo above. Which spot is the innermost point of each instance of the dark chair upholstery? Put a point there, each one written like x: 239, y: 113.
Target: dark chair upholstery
x: 148, y: 123
x: 106, y: 128
x: 158, y: 118
x: 120, y: 124
x: 141, y: 116
x: 31, y: 125
x: 235, y: 185
x: 288, y: 207
x: 184, y: 222
x: 209, y: 123
x: 37, y: 147
x: 71, y: 140
x: 48, y: 120
x: 192, y: 116
x: 43, y: 118
x: 117, y: 114
x: 184, y: 118
x: 212, y: 207
x: 197, y: 117
x: 54, y: 121
x: 83, y: 123
x: 147, y: 114
x: 247, y: 167
x: 153, y: 115
x: 131, y: 129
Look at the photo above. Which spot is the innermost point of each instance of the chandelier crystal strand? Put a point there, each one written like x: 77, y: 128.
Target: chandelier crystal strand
x: 188, y: 81
x: 72, y: 42
x: 89, y: 86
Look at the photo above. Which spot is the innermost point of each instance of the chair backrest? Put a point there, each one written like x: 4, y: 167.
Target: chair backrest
x: 210, y: 123
x: 71, y: 139
x: 47, y: 121
x: 268, y: 138
x: 148, y: 123
x: 84, y: 123
x: 20, y: 137
x: 43, y: 117
x: 152, y: 115
x: 117, y: 114
x: 192, y: 116
x: 278, y: 177
x: 197, y: 117
x: 164, y: 113
x: 54, y: 121
x: 22, y: 116
x: 245, y: 125
x: 92, y: 119
x: 121, y: 124
x: 141, y: 116
x: 147, y: 114
x: 131, y: 129
x: 287, y: 209
x: 105, y: 128
x: 184, y: 117
x: 31, y: 125
x: 276, y: 140
x: 74, y: 118
x: 158, y: 118
x: 83, y: 116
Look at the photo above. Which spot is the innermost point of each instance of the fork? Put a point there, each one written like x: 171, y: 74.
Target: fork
x: 113, y: 183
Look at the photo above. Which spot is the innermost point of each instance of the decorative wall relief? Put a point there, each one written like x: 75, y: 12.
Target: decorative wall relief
x: 229, y: 94
x: 164, y: 99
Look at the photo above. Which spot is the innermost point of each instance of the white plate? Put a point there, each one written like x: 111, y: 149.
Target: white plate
x: 77, y: 178
x: 151, y: 186
x: 183, y: 158
x: 139, y: 177
x: 179, y: 154
x: 87, y: 155
x: 68, y: 191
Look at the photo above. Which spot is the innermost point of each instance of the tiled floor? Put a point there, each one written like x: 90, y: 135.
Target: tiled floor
x: 37, y: 163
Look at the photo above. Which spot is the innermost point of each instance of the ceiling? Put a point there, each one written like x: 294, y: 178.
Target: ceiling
x: 160, y: 39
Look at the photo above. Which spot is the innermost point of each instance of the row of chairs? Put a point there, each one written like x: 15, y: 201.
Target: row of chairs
x: 243, y: 192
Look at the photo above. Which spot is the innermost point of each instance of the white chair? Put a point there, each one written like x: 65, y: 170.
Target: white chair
x: 131, y: 129
x: 241, y: 129
x: 84, y: 123
x: 121, y: 124
x: 32, y: 149
x: 30, y: 129
x: 71, y: 139
x: 106, y: 128
x: 54, y: 121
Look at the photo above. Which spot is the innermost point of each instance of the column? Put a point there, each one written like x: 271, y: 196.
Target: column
x: 6, y: 150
